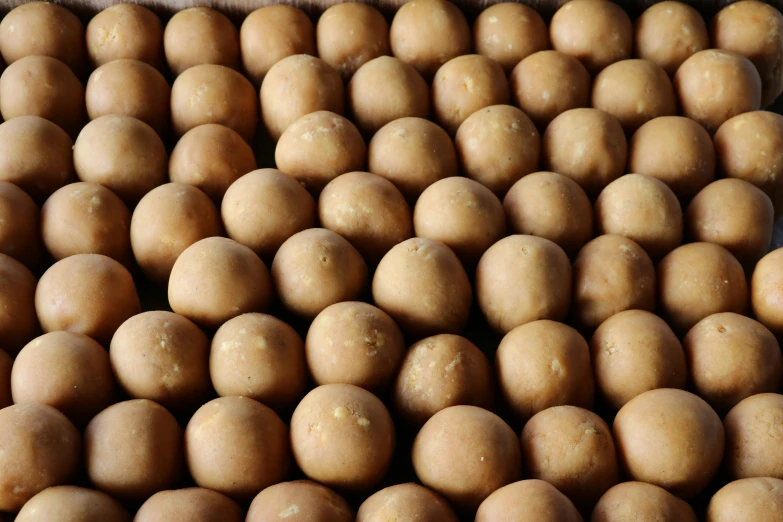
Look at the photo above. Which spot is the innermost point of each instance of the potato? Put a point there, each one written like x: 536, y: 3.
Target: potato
x: 667, y: 34
x: 200, y: 35
x: 40, y: 449
x: 407, y: 502
x: 635, y: 351
x: 6, y: 364
x: 121, y: 153
x: 428, y: 33
x: 216, y: 279
x: 508, y: 33
x: 343, y: 437
x: 528, y: 500
x: 669, y: 438
x: 125, y: 31
x: 349, y: 35
x: 19, y: 218
x: 316, y: 268
x: 236, y: 446
x: 133, y: 449
x: 448, y: 451
x: 260, y: 357
x: 714, y: 86
x: 166, y: 221
x: 196, y: 504
x: 211, y: 157
x: 755, y: 498
x: 765, y: 289
x: 18, y: 324
x: 67, y: 371
x: 548, y: 83
x: 497, y: 146
x: 536, y: 269
x: 412, y: 153
x: 422, y: 285
x: 272, y: 33
x: 751, y: 429
x: 642, y: 502
x: 71, y: 503
x: 290, y: 499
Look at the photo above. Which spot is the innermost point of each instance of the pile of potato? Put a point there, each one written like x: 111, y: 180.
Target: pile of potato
x: 525, y: 284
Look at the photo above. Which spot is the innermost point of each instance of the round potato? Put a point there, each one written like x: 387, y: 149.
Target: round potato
x: 18, y: 325
x: 196, y: 504
x: 528, y: 500
x: 508, y: 33
x: 19, y: 220
x: 765, y: 288
x: 754, y: 498
x: 300, y: 496
x: 751, y: 427
x: 668, y: 33
x: 200, y: 35
x: 125, y: 31
x: 407, y: 501
x: 349, y: 35
x: 71, y: 503
x: 641, y: 501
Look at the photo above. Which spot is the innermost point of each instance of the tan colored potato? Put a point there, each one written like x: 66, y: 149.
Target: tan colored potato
x: 521, y: 279
x: 19, y: 219
x: 758, y: 499
x: 272, y: 33
x: 67, y: 371
x: 752, y: 427
x: 40, y: 449
x: 497, y: 146
x: 438, y: 372
x: 687, y: 166
x: 633, y: 352
x: 125, y: 31
x: 196, y: 504
x: 508, y: 33
x: 765, y: 287
x: 428, y: 33
x: 211, y: 157
x: 121, y: 153
x: 237, y: 446
x: 697, y: 280
x: 669, y: 438
x: 6, y: 363
x: 668, y: 33
x: 349, y: 35
x: 642, y: 502
x: 301, y: 499
x: 528, y: 500
x: 166, y: 221
x: 200, y: 35
x: 448, y: 451
x: 18, y: 325
x: 343, y: 437
x: 318, y: 147
x: 260, y: 357
x: 406, y: 502
x: 71, y: 503
x: 217, y: 279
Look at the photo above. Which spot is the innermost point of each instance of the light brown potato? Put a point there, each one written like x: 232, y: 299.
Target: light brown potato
x: 633, y: 352
x: 6, y: 363
x: 71, y: 503
x: 643, y: 209
x: 428, y: 33
x: 751, y: 437
x: 237, y: 446
x: 422, y: 285
x: 753, y: 156
x: 121, y: 153
x: 714, y: 86
x: 125, y: 31
x: 343, y: 437
x: 43, y: 29
x: 86, y: 218
x: 368, y: 211
x: 753, y: 29
x: 464, y: 85
x: 438, y: 372
x: 669, y: 438
x: 302, y: 499
x: 163, y: 357
x: 697, y: 280
x: 318, y: 147
x: 211, y: 93
x: 587, y: 145
x: 67, y: 371
x: 755, y: 498
x: 407, y: 502
x: 552, y: 206
x: 528, y: 500
x: 18, y: 325
x: 765, y: 289
x: 543, y: 364
x: 37, y: 156
x: 349, y: 35
x: 133, y: 449
x: 447, y: 455
x: 596, y: 32
x: 508, y: 33
x: 196, y: 504
x: 260, y: 357
x: 19, y: 219
x: 272, y: 33
x: 539, y: 272
x: 497, y: 146
x: 200, y: 35
x: 211, y: 157
x: 668, y: 33
x: 40, y: 449
x: 548, y: 83
x: 689, y: 162
x: 386, y: 89
x: 45, y: 87
x: 412, y: 153
x: 166, y: 221
x: 634, y: 92
x: 217, y: 279
x: 296, y: 86
x: 642, y: 502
